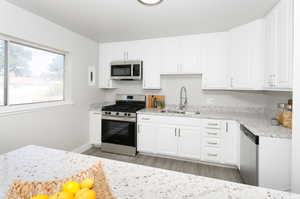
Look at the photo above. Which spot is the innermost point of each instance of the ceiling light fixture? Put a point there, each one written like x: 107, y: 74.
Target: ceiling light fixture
x: 150, y: 2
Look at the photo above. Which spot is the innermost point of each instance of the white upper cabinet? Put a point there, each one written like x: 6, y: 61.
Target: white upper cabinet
x: 246, y: 56
x: 279, y: 43
x: 181, y: 55
x: 151, y: 63
x: 105, y: 57
x: 215, y: 61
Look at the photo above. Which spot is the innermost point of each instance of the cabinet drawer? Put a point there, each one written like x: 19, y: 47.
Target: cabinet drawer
x: 211, y: 154
x: 212, y: 124
x: 212, y: 142
x: 211, y: 132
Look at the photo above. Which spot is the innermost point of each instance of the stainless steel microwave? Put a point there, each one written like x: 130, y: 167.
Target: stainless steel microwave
x: 128, y: 70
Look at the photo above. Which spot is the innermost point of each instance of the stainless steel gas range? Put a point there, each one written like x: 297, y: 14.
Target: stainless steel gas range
x: 119, y: 124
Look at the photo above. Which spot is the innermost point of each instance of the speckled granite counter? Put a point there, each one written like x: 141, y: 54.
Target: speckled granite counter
x: 257, y: 123
x: 98, y: 106
x: 129, y: 181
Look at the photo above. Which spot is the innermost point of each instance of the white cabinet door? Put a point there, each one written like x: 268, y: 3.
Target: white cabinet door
x: 279, y: 37
x: 275, y: 163
x: 133, y: 50
x: 246, y: 56
x: 215, y: 73
x: 118, y: 51
x: 95, y: 127
x: 230, y: 143
x: 105, y: 58
x: 167, y: 141
x: 285, y: 43
x: 189, y: 142
x: 191, y: 53
x: 147, y: 138
x: 151, y: 64
x: 170, y: 55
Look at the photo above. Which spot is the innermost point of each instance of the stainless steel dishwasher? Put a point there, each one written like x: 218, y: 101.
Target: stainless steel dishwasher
x: 249, y: 156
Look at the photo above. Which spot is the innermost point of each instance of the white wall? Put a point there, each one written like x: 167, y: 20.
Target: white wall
x: 64, y: 127
x: 171, y: 88
x: 296, y: 116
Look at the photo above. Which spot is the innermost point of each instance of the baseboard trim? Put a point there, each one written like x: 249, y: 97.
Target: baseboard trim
x: 82, y: 148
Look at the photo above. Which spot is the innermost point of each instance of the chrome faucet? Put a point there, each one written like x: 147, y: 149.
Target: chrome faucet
x: 184, y: 103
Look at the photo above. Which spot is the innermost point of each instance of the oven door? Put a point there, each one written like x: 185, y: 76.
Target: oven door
x: 119, y: 132
x: 121, y: 71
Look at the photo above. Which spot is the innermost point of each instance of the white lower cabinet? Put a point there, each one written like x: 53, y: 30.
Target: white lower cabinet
x: 167, y: 140
x: 95, y: 127
x: 213, y: 141
x: 189, y: 142
x: 146, y: 138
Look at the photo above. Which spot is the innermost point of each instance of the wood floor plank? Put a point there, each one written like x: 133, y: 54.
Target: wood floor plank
x: 222, y: 173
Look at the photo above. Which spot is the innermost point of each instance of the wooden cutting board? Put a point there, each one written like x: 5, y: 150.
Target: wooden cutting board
x: 151, y: 100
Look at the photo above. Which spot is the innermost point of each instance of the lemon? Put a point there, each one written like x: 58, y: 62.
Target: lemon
x: 86, y: 194
x: 64, y: 195
x: 55, y: 196
x: 40, y: 197
x: 72, y: 187
x: 88, y: 183
x: 80, y: 192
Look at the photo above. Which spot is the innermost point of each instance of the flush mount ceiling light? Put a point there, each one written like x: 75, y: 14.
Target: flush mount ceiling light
x: 150, y: 2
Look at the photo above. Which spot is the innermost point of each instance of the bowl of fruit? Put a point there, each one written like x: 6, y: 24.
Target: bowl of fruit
x: 88, y: 184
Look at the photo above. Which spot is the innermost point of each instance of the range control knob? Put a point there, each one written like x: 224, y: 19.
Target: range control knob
x: 117, y: 113
x: 125, y: 114
x: 128, y: 114
x: 108, y: 113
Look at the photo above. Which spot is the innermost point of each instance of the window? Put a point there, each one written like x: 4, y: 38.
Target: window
x: 2, y: 61
x: 33, y: 75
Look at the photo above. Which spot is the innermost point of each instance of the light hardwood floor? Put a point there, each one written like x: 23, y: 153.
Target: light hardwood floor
x: 175, y: 165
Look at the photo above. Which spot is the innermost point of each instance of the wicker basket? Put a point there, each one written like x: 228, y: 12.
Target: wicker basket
x: 25, y: 190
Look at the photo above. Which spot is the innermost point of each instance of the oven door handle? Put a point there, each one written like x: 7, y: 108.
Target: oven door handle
x: 121, y: 119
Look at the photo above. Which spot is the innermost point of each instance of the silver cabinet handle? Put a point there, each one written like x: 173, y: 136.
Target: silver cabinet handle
x: 179, y: 132
x: 212, y: 143
x: 144, y: 118
x: 211, y: 133
x: 96, y: 113
x: 212, y: 154
x: 212, y: 124
x: 175, y: 132
x: 226, y: 127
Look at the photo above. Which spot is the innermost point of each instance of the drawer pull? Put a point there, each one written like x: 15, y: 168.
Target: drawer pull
x: 212, y: 133
x: 212, y: 124
x: 146, y: 118
x: 212, y: 143
x: 212, y: 154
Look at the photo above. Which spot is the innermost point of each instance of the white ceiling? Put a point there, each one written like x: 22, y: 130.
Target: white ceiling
x: 118, y: 20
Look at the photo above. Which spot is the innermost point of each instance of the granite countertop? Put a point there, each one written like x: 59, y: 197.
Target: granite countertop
x: 33, y: 163
x: 258, y: 123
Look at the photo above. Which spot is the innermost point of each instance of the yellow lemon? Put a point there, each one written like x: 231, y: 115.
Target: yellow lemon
x: 80, y: 192
x: 72, y: 187
x: 65, y: 195
x: 40, y: 197
x: 87, y: 194
x: 88, y: 183
x: 55, y: 196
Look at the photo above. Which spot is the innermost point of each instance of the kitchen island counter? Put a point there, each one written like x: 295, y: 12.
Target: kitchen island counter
x: 33, y: 163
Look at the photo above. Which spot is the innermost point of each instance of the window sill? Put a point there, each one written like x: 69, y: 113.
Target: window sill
x: 18, y: 109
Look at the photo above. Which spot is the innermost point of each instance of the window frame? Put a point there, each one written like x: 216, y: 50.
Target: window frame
x: 23, y: 106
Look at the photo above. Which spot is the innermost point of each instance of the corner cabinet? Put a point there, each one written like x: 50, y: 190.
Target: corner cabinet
x: 279, y: 44
x: 246, y: 56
